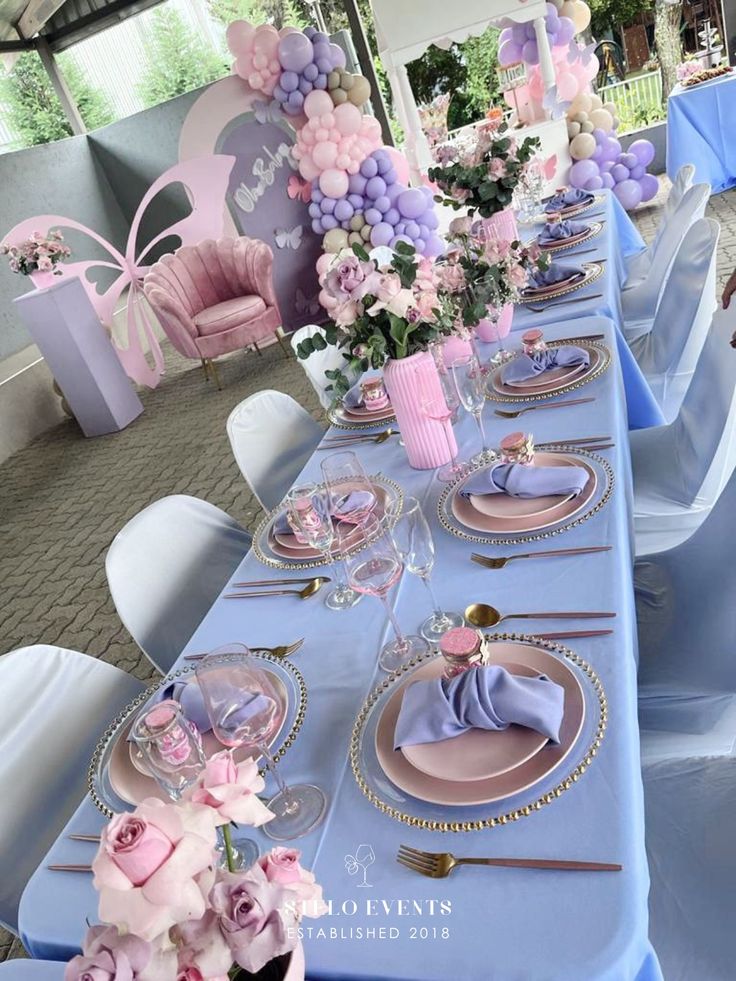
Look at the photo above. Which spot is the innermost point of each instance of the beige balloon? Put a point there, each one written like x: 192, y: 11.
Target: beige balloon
x: 587, y: 127
x: 573, y: 129
x: 333, y: 81
x: 365, y: 232
x: 346, y: 80
x: 356, y: 223
x: 582, y: 146
x: 581, y: 16
x: 568, y: 9
x: 354, y: 238
x: 595, y: 102
x: 610, y: 107
x: 580, y: 117
x: 601, y: 119
x: 584, y: 103
x: 335, y: 239
x: 338, y: 96
x: 361, y: 90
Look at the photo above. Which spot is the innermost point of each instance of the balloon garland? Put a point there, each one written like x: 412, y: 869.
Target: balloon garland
x: 359, y: 190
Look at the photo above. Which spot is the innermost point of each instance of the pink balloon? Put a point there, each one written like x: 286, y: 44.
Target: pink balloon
x: 347, y: 118
x: 308, y: 170
x: 239, y: 36
x: 399, y: 163
x: 324, y: 155
x: 323, y: 263
x: 333, y: 183
x: 649, y: 186
x: 567, y: 86
x: 536, y: 86
x: 318, y: 103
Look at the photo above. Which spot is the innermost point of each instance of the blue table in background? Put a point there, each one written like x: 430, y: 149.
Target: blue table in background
x: 701, y: 130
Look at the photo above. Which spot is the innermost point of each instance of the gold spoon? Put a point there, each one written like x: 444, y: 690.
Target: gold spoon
x: 309, y: 590
x: 482, y: 615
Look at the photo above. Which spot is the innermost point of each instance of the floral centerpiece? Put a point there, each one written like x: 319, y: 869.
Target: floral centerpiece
x: 691, y: 66
x: 171, y: 912
x: 39, y: 253
x: 481, y: 171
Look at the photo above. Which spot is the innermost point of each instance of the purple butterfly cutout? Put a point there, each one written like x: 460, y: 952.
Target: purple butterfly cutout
x: 286, y: 239
x: 306, y: 305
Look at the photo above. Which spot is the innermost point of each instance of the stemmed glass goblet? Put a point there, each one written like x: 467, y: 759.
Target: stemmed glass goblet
x: 414, y: 543
x: 471, y: 390
x: 246, y: 709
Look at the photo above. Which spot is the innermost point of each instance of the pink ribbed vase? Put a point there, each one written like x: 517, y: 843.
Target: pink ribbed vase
x: 502, y: 225
x: 408, y: 381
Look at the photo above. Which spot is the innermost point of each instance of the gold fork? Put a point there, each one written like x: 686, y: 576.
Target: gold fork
x: 284, y: 650
x: 498, y: 562
x: 515, y: 413
x: 438, y: 865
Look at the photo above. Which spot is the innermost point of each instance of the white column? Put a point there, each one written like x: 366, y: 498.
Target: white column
x: 417, y: 147
x: 546, y: 64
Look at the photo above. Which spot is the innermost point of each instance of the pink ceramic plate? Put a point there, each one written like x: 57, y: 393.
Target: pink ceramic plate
x: 129, y: 780
x: 542, y: 292
x: 477, y: 754
x: 361, y: 414
x: 511, y: 520
x: 592, y: 270
x: 558, y: 243
x: 562, y: 375
x: 545, y: 384
x: 459, y: 793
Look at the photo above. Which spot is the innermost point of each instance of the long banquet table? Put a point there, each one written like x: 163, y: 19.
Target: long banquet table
x: 700, y: 132
x: 504, y: 925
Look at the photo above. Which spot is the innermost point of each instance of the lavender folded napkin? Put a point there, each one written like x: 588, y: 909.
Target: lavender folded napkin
x: 353, y: 398
x: 522, y: 480
x: 567, y: 198
x: 558, y: 231
x: 530, y: 365
x: 353, y: 503
x: 482, y: 698
x: 556, y: 273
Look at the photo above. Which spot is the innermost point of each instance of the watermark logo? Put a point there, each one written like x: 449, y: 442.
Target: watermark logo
x: 363, y: 858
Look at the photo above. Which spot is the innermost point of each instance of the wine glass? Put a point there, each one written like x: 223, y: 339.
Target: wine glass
x: 308, y: 509
x: 373, y: 569
x: 471, y: 390
x: 171, y: 746
x: 502, y: 355
x: 414, y: 543
x: 246, y: 709
x: 438, y: 409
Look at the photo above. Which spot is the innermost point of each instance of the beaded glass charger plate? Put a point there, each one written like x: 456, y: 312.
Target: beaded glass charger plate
x: 113, y: 780
x: 545, y: 388
x: 591, y: 272
x: 569, y: 212
x: 517, y: 797
x: 568, y: 243
x: 344, y: 418
x: 271, y: 552
x: 461, y: 519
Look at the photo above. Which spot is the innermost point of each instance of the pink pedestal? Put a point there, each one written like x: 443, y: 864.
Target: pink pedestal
x: 408, y: 381
x: 63, y: 324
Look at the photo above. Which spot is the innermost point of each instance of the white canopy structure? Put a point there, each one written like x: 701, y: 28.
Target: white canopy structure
x: 406, y: 28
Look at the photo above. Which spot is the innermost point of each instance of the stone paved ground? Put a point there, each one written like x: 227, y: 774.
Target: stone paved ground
x: 64, y: 497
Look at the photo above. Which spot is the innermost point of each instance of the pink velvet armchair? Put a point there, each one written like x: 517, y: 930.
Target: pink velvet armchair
x: 215, y: 297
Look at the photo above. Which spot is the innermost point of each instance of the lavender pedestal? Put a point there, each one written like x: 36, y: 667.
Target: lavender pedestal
x: 63, y: 324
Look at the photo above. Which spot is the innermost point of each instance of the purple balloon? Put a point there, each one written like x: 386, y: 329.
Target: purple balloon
x: 628, y: 160
x: 649, y: 186
x: 435, y: 246
x: 382, y: 233
x: 338, y: 56
x: 530, y: 31
x: 344, y: 210
x: 328, y: 205
x: 310, y: 72
x: 317, y: 226
x: 319, y: 37
x: 510, y: 52
x: 566, y: 31
x: 423, y: 230
x: 400, y: 238
x: 356, y: 184
x: 614, y: 147
x: 506, y: 35
x: 314, y: 210
x: 629, y: 193
x: 279, y: 94
x: 412, y: 230
x: 638, y: 172
x: 305, y: 86
x: 295, y: 52
x: 328, y: 221
x: 390, y: 176
x: 401, y: 227
x: 296, y: 100
x: 310, y: 31
x: 420, y: 244
x: 373, y: 216
x: 392, y: 216
x: 383, y: 161
x: 583, y: 171
x: 605, y: 167
x: 321, y: 47
x: 600, y: 136
x: 357, y: 201
x: 369, y: 168
x: 620, y: 173
x: 375, y: 188
x: 412, y: 203
x: 608, y: 181
x: 324, y: 65
x: 518, y: 33
x: 643, y: 150
x: 289, y: 81
x: 530, y: 53
x: 382, y: 203
x: 320, y: 81
x: 431, y: 220
x: 594, y: 184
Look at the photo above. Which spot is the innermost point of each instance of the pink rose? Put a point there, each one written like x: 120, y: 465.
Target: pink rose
x: 253, y: 916
x: 281, y: 865
x: 451, y: 277
x: 518, y: 276
x: 203, y: 948
x: 496, y: 168
x: 231, y: 790
x: 461, y: 226
x: 459, y: 194
x: 390, y: 295
x: 169, y: 850
x: 109, y: 956
x: 346, y: 276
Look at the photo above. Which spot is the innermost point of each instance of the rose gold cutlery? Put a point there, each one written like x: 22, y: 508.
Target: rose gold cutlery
x: 579, y: 337
x: 81, y: 837
x: 345, y: 436
x: 570, y: 634
x: 69, y: 868
x: 338, y: 443
x: 515, y: 413
x: 529, y: 304
x: 285, y: 650
x: 309, y: 590
x: 280, y: 582
x: 498, y: 562
x: 483, y: 615
x: 438, y: 865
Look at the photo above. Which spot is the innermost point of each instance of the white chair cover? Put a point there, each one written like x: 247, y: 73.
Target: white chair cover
x: 668, y: 353
x: 681, y: 469
x: 272, y: 438
x: 318, y: 362
x: 639, y: 299
x: 690, y: 805
x: 54, y: 705
x: 167, y: 566
x: 638, y: 265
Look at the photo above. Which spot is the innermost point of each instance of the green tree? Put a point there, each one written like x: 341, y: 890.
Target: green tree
x: 610, y: 15
x: 226, y: 11
x: 32, y: 108
x: 177, y: 59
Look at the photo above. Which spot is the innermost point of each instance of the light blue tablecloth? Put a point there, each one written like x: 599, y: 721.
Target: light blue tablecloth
x: 701, y: 130
x: 617, y: 239
x: 30, y: 970
x: 504, y: 925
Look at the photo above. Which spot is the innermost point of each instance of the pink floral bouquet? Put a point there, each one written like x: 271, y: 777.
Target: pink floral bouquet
x: 170, y: 911
x: 39, y: 253
x: 687, y: 68
x: 379, y: 309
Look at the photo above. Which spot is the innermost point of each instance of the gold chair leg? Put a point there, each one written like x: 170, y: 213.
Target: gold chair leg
x: 205, y: 368
x: 215, y: 374
x: 258, y: 349
x: 280, y: 339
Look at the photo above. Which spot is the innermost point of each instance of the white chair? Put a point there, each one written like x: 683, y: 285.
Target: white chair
x: 166, y: 568
x: 690, y: 805
x: 680, y: 469
x: 668, y: 353
x: 272, y: 438
x: 318, y: 362
x: 54, y: 705
x: 638, y: 265
x: 640, y: 297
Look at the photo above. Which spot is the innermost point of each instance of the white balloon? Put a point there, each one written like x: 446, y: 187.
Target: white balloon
x: 587, y: 127
x: 595, y: 101
x: 583, y: 146
x: 572, y: 129
x: 601, y: 119
x: 610, y: 107
x: 580, y: 117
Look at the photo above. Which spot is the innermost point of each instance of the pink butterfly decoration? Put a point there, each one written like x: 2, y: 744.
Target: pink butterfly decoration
x: 549, y: 167
x: 299, y: 188
x: 205, y: 180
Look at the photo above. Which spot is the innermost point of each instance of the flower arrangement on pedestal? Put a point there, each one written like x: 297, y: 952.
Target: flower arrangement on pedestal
x: 39, y: 253
x: 172, y: 912
x: 481, y: 170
